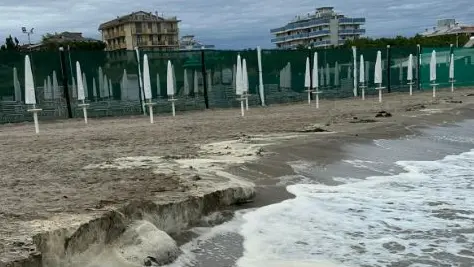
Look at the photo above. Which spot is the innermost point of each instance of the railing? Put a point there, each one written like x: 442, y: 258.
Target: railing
x: 352, y: 31
x: 301, y: 25
x: 114, y: 34
x: 300, y: 36
x: 320, y: 43
x: 351, y: 20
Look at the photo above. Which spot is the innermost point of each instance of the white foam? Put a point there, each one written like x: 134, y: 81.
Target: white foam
x: 374, y: 222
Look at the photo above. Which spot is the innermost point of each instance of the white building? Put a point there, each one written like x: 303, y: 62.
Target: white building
x: 322, y: 29
x: 188, y: 42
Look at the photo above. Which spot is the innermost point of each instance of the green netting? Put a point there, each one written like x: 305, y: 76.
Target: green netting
x: 111, y: 79
x: 463, y: 67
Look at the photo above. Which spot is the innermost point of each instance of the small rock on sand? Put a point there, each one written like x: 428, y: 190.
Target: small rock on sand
x: 383, y: 114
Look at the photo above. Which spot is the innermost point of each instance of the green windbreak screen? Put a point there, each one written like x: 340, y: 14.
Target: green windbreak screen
x: 463, y: 66
x: 113, y: 88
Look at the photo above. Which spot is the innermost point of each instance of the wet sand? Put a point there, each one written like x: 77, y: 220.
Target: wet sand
x: 43, y: 176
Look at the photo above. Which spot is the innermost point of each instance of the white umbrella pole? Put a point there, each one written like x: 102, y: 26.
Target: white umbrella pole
x: 35, y: 118
x: 246, y: 101
x: 362, y: 87
x: 411, y: 88
x: 380, y: 88
x: 242, y: 107
x: 452, y: 85
x: 434, y: 84
x: 173, y: 108
x: 150, y: 109
x: 309, y: 96
x: 317, y: 100
x: 84, y: 110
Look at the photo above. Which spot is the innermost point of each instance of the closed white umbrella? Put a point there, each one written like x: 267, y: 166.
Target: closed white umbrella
x: 45, y: 89
x: 315, y: 75
x: 315, y: 71
x: 80, y: 84
x: 56, y: 93
x: 328, y: 75
x: 174, y: 77
x: 410, y: 73
x: 307, y: 82
x: 195, y: 84
x: 245, y: 83
x: 186, y: 82
x: 49, y: 85
x: 451, y: 71
x: 209, y: 82
x: 239, y: 84
x: 170, y: 86
x: 124, y: 88
x: 94, y: 89
x: 147, y: 86
x: 288, y: 75
x: 260, y: 78
x: 105, y: 91
x: 362, y: 76
x: 16, y: 85
x: 84, y: 82
x: 101, y: 81
x: 30, y: 97
x: 80, y: 91
x: 378, y: 74
x: 74, y: 87
x: 111, y: 89
x: 146, y: 79
x: 354, y: 55
x: 169, y: 80
x: 433, y: 72
x: 158, y: 85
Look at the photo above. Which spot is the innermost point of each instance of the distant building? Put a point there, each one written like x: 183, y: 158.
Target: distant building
x: 59, y: 38
x: 449, y: 27
x: 141, y: 29
x: 324, y: 28
x: 188, y: 42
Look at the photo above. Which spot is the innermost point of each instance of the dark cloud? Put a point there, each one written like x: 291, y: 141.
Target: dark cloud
x: 227, y: 24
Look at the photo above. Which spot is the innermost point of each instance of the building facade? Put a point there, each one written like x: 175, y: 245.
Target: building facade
x: 143, y: 30
x: 324, y: 28
x: 188, y: 42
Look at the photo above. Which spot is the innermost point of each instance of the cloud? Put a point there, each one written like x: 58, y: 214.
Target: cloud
x: 227, y: 24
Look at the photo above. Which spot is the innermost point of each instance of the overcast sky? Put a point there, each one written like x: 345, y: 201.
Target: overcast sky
x: 228, y: 24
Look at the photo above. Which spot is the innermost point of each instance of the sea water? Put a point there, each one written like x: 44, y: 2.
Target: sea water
x: 415, y: 209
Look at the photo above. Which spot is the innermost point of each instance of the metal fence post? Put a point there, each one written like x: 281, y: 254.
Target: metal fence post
x: 311, y: 64
x: 418, y: 66
x: 65, y: 86
x: 389, y: 59
x: 204, y: 77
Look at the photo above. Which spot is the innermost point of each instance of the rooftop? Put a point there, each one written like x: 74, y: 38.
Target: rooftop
x: 138, y: 16
x: 447, y: 27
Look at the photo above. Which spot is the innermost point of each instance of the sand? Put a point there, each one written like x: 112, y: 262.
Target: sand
x: 58, y: 178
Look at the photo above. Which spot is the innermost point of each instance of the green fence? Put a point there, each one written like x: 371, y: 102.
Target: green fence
x: 113, y: 88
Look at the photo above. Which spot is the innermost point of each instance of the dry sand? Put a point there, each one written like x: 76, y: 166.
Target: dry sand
x: 44, y: 182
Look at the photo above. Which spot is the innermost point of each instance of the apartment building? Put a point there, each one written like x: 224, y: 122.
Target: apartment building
x: 141, y: 29
x: 189, y: 42
x: 323, y: 28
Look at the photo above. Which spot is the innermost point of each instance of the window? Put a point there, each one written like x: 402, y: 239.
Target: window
x: 149, y: 26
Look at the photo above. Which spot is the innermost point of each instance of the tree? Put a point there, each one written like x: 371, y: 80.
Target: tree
x: 11, y: 44
x: 400, y: 41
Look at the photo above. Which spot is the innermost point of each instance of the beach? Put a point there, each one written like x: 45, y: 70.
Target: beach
x: 71, y: 174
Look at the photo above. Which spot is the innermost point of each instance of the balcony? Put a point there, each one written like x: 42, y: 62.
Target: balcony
x: 301, y: 25
x: 116, y: 46
x: 352, y: 32
x: 351, y: 20
x: 300, y: 36
x: 320, y: 43
x: 114, y: 34
x: 169, y: 31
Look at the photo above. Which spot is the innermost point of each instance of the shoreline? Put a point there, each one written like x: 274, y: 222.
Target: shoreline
x: 346, y: 131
